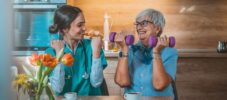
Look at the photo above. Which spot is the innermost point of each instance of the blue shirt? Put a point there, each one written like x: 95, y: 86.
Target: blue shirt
x: 140, y: 69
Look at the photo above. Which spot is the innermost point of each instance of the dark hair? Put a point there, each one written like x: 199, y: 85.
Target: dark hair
x: 63, y: 17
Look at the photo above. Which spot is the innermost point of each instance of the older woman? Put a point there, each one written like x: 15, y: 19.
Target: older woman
x: 86, y: 75
x: 142, y: 68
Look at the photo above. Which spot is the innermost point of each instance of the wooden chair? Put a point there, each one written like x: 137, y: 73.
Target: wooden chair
x: 104, y: 88
x: 174, y: 90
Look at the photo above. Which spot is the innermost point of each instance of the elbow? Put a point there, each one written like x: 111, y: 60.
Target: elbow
x: 96, y: 81
x: 96, y: 84
x: 122, y: 83
x: 159, y: 86
x: 56, y: 89
x: 57, y: 85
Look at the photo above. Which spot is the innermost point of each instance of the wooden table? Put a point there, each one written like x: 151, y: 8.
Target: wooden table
x: 116, y: 98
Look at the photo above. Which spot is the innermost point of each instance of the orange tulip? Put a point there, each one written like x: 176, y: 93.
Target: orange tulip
x: 34, y: 59
x: 44, y: 57
x: 67, y: 59
x: 48, y: 61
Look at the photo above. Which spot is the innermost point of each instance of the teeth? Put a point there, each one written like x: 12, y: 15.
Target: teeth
x: 141, y: 32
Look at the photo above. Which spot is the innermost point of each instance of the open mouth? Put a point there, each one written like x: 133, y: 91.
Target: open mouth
x: 141, y: 32
x: 142, y: 35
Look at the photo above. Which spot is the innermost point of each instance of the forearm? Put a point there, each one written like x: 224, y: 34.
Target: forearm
x: 96, y: 54
x: 57, y: 79
x: 160, y: 78
x: 122, y: 73
x: 96, y: 76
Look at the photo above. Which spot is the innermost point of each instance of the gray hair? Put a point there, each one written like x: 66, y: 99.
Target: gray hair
x: 155, y: 16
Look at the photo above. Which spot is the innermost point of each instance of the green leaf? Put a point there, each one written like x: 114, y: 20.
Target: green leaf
x: 27, y: 71
x: 48, y: 71
x: 49, y: 93
x: 60, y: 54
x: 40, y: 72
x: 45, y: 80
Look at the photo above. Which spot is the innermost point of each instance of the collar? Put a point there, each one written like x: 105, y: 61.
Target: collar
x: 142, y: 48
x: 68, y: 49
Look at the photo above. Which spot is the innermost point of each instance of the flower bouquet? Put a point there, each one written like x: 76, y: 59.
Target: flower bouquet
x: 35, y: 83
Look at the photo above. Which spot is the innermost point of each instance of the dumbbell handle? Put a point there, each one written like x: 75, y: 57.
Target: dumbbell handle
x: 153, y: 41
x: 129, y: 39
x: 93, y: 34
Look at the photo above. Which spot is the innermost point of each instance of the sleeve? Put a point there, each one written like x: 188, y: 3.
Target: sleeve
x: 103, y: 59
x: 130, y: 56
x: 57, y: 78
x: 170, y: 63
x: 102, y: 55
x: 96, y: 76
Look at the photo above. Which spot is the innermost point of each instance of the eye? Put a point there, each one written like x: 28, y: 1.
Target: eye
x: 135, y: 23
x: 145, y: 23
x: 80, y: 24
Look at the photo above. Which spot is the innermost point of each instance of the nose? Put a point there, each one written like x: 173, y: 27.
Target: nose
x: 84, y: 28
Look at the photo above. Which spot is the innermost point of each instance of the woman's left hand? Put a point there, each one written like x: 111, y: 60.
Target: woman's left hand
x: 96, y: 46
x: 162, y: 43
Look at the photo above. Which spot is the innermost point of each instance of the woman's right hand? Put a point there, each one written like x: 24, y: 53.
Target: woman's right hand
x: 120, y: 40
x: 57, y: 45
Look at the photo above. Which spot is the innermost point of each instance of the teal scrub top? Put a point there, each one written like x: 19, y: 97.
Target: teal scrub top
x: 74, y: 82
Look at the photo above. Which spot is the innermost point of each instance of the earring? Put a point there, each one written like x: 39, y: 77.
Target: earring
x: 157, y: 32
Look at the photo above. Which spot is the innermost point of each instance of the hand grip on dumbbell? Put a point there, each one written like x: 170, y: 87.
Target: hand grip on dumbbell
x: 93, y: 33
x: 154, y: 40
x: 129, y: 39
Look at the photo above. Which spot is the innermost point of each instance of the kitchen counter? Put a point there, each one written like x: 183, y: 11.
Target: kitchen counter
x: 181, y: 52
x: 117, y: 98
x: 184, y: 53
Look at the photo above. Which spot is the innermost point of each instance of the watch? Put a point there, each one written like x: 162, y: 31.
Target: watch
x: 121, y: 54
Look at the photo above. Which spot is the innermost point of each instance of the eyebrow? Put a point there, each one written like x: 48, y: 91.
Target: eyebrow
x: 81, y: 22
x: 144, y: 21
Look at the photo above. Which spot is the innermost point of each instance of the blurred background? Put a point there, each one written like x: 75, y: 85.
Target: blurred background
x: 6, y: 48
x: 199, y: 27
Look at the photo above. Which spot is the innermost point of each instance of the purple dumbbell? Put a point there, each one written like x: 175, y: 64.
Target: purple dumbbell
x: 129, y: 39
x: 153, y: 41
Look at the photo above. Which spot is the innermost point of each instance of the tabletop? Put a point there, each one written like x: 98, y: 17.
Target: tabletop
x: 116, y: 98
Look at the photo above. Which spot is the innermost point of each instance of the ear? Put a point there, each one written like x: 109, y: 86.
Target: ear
x: 157, y: 30
x: 65, y: 31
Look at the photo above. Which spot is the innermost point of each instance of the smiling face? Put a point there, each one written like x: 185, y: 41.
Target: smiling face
x: 77, y: 28
x: 145, y: 28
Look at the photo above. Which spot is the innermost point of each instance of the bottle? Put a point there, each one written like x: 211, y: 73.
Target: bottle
x: 221, y: 47
x: 106, y: 31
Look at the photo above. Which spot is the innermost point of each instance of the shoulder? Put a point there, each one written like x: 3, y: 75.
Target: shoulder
x: 50, y: 51
x: 87, y: 43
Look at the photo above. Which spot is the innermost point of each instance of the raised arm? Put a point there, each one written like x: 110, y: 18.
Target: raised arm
x: 160, y: 77
x: 96, y: 76
x: 122, y: 72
